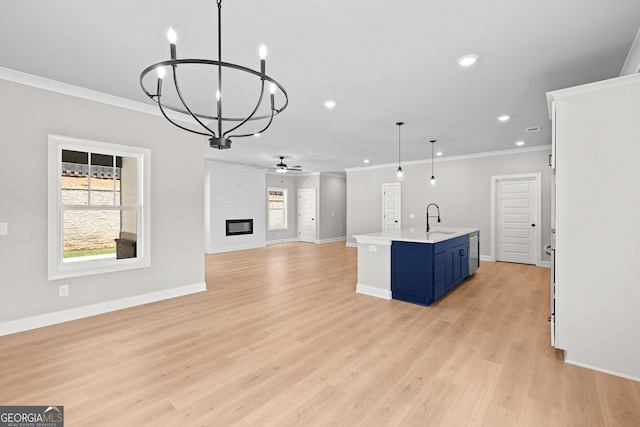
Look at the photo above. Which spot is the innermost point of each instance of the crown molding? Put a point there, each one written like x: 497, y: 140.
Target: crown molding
x: 452, y: 158
x: 80, y: 92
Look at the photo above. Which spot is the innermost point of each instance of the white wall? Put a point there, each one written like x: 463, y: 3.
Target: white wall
x: 463, y: 193
x: 233, y: 192
x: 28, y: 299
x: 330, y: 204
x: 333, y: 207
x: 597, y: 269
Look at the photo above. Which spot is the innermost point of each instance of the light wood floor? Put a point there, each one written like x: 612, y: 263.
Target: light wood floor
x: 281, y: 338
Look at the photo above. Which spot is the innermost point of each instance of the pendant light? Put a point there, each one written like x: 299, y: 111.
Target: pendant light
x: 433, y: 177
x: 399, y: 172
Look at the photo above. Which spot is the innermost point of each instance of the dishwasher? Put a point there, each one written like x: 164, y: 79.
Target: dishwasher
x: 474, y: 253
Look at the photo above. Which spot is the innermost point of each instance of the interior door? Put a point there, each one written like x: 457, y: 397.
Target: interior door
x: 307, y: 223
x: 391, y: 203
x: 516, y: 235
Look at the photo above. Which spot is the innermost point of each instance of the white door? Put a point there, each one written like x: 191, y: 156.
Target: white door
x: 517, y: 220
x: 307, y: 215
x: 391, y: 207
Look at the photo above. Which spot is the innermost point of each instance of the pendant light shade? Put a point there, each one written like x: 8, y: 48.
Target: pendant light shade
x: 399, y: 171
x: 433, y: 177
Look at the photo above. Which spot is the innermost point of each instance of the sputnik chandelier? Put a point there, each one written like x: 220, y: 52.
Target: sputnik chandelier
x: 219, y: 138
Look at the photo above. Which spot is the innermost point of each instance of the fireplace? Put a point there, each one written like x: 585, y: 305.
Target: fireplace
x: 236, y: 227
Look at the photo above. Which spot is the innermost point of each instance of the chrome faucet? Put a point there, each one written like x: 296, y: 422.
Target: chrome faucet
x: 438, y: 208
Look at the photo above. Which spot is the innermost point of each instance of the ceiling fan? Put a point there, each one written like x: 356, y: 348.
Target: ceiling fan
x: 283, y: 168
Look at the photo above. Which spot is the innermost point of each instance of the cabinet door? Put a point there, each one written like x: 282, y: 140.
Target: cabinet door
x: 464, y: 261
x: 412, y: 272
x: 450, y: 267
x: 457, y: 267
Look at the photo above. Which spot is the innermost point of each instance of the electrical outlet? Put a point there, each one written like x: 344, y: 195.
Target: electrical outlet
x: 412, y: 216
x: 63, y: 291
x: 373, y: 248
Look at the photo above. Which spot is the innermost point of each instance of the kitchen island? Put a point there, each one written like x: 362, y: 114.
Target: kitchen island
x: 413, y: 265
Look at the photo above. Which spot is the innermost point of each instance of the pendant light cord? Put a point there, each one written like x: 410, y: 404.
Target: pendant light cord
x: 399, y: 145
x: 399, y: 139
x: 432, y: 145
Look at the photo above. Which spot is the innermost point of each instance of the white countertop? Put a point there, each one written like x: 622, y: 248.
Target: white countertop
x: 416, y: 234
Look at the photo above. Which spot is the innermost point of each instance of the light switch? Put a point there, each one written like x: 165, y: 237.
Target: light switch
x: 412, y: 216
x: 3, y: 229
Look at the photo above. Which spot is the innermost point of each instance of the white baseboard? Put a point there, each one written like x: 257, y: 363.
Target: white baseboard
x: 49, y: 319
x: 487, y: 258
x: 276, y: 242
x: 235, y: 248
x: 333, y: 239
x: 371, y: 291
x: 545, y: 264
x: 352, y: 245
x: 593, y: 368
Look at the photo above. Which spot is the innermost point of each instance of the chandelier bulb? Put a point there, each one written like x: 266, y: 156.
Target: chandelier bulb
x: 161, y: 72
x: 272, y: 89
x: 172, y: 35
x: 262, y: 51
x: 217, y: 95
x: 433, y: 181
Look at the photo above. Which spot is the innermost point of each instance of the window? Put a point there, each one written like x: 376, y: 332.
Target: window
x: 98, y: 207
x: 277, y: 208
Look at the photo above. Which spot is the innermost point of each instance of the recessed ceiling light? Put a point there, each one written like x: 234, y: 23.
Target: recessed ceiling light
x: 467, y: 60
x: 520, y: 143
x: 439, y: 153
x: 329, y: 104
x: 366, y: 161
x: 504, y: 118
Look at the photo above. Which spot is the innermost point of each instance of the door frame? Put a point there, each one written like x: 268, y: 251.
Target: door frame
x: 538, y: 233
x: 315, y: 214
x: 384, y: 186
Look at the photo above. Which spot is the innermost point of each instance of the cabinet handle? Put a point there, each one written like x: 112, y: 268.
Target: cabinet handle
x: 461, y: 252
x: 550, y: 159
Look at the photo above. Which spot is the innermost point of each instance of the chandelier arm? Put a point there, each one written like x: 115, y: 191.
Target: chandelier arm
x: 174, y: 123
x: 273, y: 113
x: 179, y: 93
x: 252, y: 113
x: 173, y: 62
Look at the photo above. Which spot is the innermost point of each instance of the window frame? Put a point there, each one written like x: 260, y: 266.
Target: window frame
x: 285, y: 210
x: 57, y: 268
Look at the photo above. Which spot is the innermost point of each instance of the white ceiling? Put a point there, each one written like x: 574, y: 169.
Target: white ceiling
x: 383, y: 62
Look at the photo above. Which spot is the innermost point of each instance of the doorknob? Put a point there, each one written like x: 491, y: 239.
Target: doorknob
x: 533, y: 225
x: 396, y: 220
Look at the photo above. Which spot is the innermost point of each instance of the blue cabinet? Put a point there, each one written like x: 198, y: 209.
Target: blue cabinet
x: 422, y: 273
